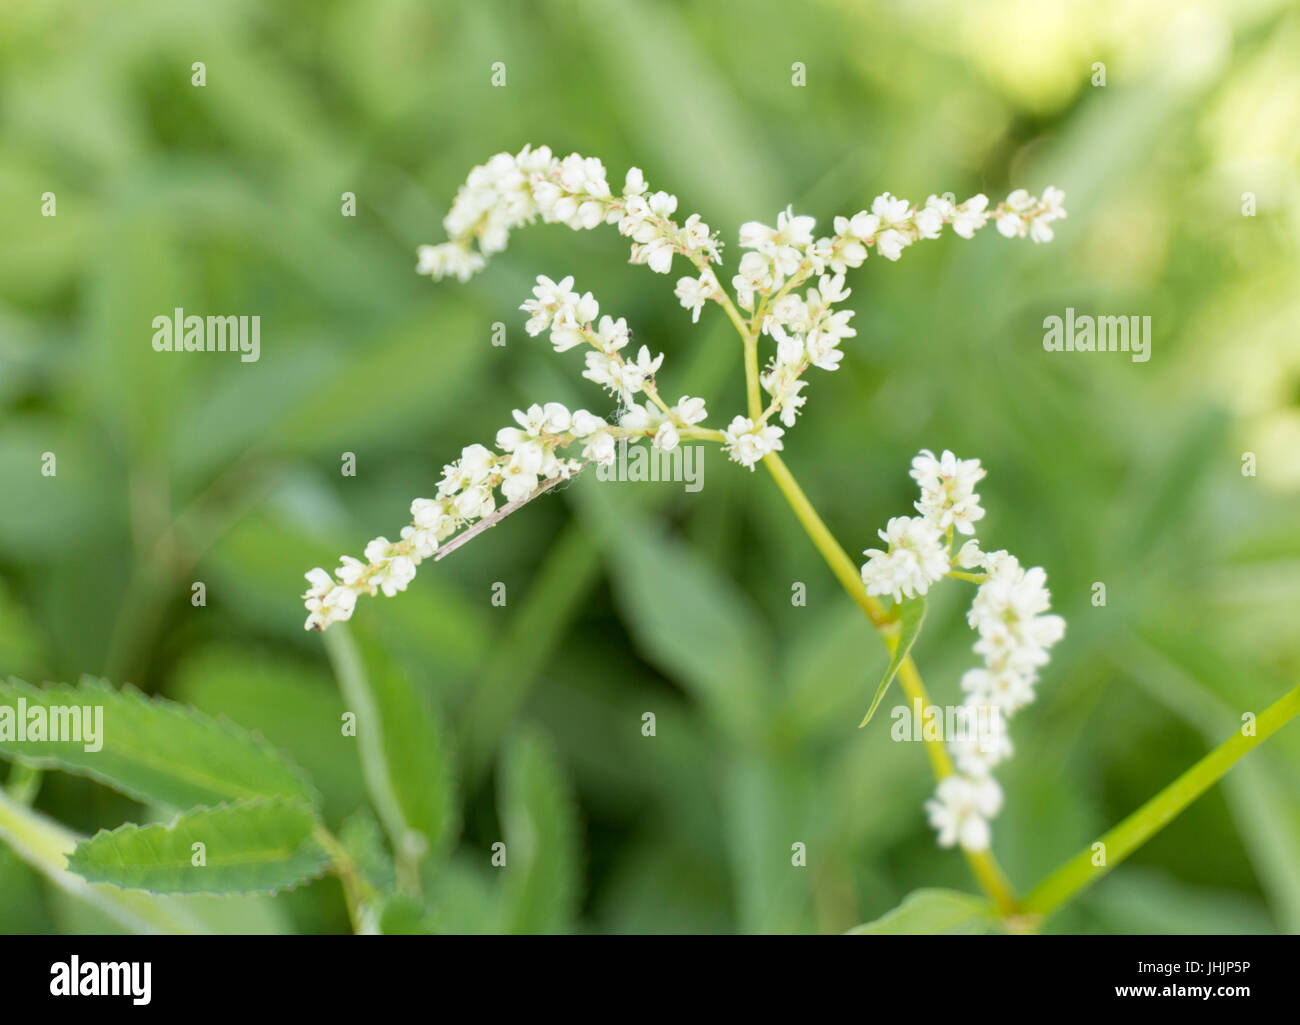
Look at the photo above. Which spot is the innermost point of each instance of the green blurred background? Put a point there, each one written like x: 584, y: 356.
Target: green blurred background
x: 634, y: 598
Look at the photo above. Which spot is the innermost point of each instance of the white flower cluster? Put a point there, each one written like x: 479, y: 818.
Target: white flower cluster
x: 465, y: 494
x: 781, y: 259
x: 513, y: 190
x: 1015, y: 632
x: 919, y: 551
x: 1009, y: 613
x: 1023, y: 214
x: 510, y: 191
x: 748, y: 442
x: 529, y: 453
x: 789, y: 254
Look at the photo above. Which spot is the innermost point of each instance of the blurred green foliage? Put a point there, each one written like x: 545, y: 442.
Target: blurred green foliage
x: 624, y: 599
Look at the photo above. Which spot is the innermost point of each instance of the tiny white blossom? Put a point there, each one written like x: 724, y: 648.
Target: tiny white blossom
x: 970, y: 216
x: 948, y: 497
x: 961, y: 808
x: 915, y: 559
x: 690, y: 410
x: 666, y: 437
x: 747, y: 444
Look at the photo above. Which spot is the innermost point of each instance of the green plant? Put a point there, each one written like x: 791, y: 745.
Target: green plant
x: 253, y: 820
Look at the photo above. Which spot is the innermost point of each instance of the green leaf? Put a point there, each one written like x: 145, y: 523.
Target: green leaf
x: 912, y: 615
x: 294, y: 707
x: 690, y: 620
x: 539, y: 817
x: 404, y: 754
x: 261, y: 846
x: 399, y: 914
x: 78, y: 906
x: 933, y: 912
x: 152, y: 749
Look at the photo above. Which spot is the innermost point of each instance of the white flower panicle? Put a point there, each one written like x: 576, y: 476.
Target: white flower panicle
x: 805, y: 325
x: 780, y: 260
x: 529, y: 453
x: 1009, y: 613
x: 510, y: 191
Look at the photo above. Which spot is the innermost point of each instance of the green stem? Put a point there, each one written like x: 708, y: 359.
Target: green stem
x: 345, y: 657
x: 753, y: 396
x: 356, y: 890
x: 1138, y: 828
x: 24, y: 783
x: 983, y: 865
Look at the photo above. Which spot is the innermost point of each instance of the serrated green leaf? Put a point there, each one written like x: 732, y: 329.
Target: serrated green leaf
x: 911, y: 616
x: 156, y: 750
x: 296, y: 708
x: 260, y: 846
x: 538, y: 814
x: 932, y: 912
x: 82, y: 907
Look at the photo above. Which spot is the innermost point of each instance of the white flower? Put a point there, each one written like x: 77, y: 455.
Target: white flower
x: 585, y: 423
x: 792, y: 230
x: 948, y: 496
x: 890, y: 244
x: 394, y: 574
x: 1015, y: 632
x: 1004, y: 689
x: 327, y: 602
x: 690, y: 410
x: 657, y: 254
x: 666, y: 437
x: 611, y: 373
x: 961, y: 808
x: 428, y: 515
x: 551, y: 298
x: 611, y: 335
x: 915, y: 559
x: 890, y: 209
x: 449, y: 258
x: 969, y: 555
x: 862, y: 226
x: 747, y: 444
x: 634, y: 182
x: 351, y: 572
x: 783, y: 384
x: 970, y: 216
x: 929, y: 221
x: 518, y: 482
x: 646, y: 366
x: 693, y: 293
x: 642, y: 417
x: 981, y: 741
x: 600, y: 448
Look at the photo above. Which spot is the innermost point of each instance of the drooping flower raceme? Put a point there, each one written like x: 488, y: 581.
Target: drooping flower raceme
x: 529, y: 453
x: 1009, y: 613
